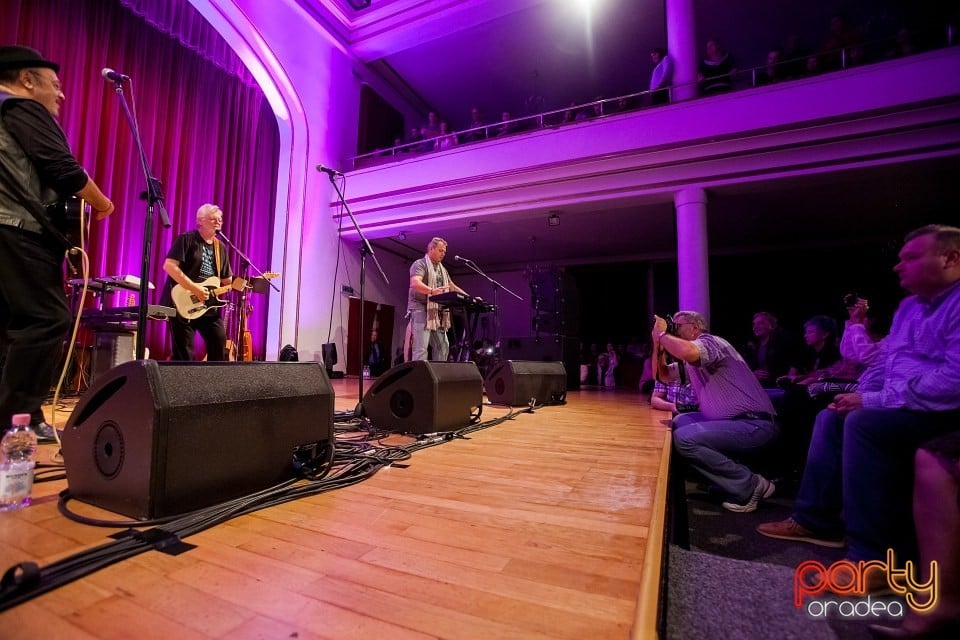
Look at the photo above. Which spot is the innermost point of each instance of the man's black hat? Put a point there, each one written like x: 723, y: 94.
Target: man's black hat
x: 17, y: 57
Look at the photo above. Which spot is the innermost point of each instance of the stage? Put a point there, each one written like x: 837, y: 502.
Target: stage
x: 548, y: 525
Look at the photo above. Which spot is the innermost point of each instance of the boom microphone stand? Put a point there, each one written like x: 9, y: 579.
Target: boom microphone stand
x: 365, y: 250
x: 154, y: 201
x: 496, y: 295
x: 242, y: 315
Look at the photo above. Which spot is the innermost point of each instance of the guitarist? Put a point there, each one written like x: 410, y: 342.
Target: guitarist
x: 194, y: 257
x: 36, y: 168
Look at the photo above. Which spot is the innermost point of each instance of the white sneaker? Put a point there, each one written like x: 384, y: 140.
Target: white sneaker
x: 764, y: 490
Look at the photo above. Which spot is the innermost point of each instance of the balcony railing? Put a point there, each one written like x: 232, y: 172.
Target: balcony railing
x: 783, y: 71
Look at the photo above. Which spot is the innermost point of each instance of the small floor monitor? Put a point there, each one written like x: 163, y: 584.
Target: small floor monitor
x: 519, y: 383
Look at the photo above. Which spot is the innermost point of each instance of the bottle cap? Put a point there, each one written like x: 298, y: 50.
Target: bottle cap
x: 21, y: 419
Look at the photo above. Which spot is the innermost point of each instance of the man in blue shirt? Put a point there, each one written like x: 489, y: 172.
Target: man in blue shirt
x: 859, y: 473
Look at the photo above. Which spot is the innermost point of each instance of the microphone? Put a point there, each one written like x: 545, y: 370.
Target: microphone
x: 459, y: 259
x: 114, y: 76
x: 328, y: 170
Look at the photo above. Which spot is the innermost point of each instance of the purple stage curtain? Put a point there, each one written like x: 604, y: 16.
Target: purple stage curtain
x: 208, y: 132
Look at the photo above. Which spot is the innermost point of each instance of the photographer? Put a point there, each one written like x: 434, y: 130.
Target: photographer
x: 735, y: 417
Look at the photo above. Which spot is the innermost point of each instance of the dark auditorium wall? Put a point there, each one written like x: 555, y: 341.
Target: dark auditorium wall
x: 794, y: 284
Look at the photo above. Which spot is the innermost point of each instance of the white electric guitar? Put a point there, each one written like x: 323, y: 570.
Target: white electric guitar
x: 191, y: 307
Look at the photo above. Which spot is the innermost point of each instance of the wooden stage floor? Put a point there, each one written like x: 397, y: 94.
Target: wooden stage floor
x: 549, y: 525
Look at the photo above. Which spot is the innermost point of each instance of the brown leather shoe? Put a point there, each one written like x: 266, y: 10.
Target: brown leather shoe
x: 790, y: 529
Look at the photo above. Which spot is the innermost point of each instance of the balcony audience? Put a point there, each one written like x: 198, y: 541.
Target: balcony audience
x: 661, y: 79
x: 717, y: 70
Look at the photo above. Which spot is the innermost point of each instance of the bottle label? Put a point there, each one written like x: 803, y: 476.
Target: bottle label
x: 16, y: 483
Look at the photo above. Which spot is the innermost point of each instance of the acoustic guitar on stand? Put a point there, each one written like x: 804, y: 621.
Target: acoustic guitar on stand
x: 191, y: 307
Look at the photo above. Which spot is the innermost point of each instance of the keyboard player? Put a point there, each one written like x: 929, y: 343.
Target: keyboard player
x: 428, y: 326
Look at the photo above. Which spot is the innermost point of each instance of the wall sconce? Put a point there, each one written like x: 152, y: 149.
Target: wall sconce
x: 553, y: 220
x: 473, y: 227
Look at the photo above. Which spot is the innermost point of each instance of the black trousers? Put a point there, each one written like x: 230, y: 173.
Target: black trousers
x: 34, y: 319
x: 210, y: 326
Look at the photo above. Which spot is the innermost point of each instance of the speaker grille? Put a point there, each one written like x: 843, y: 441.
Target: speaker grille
x: 108, y: 449
x: 424, y: 397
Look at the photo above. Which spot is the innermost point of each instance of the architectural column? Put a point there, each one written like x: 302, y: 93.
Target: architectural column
x: 693, y: 271
x: 682, y: 47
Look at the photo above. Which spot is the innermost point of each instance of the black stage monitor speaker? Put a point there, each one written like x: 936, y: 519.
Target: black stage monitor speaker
x: 517, y: 382
x: 153, y: 439
x: 425, y: 397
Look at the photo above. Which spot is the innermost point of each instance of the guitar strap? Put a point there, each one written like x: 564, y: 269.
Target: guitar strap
x: 216, y: 256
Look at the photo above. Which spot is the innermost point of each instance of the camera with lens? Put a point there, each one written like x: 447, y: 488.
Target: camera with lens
x: 672, y: 327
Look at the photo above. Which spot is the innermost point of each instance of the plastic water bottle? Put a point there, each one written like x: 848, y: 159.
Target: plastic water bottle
x: 17, y: 450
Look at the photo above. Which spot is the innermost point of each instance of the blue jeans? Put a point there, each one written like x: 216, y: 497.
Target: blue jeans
x: 861, y: 466
x: 423, y: 337
x: 708, y: 444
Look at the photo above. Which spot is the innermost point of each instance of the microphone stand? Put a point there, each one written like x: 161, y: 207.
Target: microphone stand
x: 154, y: 201
x: 365, y: 250
x: 245, y: 258
x: 242, y: 314
x: 496, y: 297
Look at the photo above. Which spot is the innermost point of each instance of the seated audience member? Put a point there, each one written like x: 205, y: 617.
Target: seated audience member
x: 936, y: 518
x: 508, y: 126
x: 378, y: 360
x: 585, y: 364
x: 771, y: 352
x: 842, y: 46
x: 860, y: 343
x: 774, y: 70
x: 820, y: 334
x: 661, y: 79
x: 735, y: 417
x: 717, y: 71
x: 904, y: 44
x: 610, y: 374
x: 476, y: 126
x: 413, y: 136
x: 445, y: 139
x: 674, y: 397
x: 431, y: 127
x: 858, y: 479
x: 795, y: 56
x: 646, y: 376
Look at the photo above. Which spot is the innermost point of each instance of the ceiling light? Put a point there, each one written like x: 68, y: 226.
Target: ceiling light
x: 553, y: 220
x: 473, y: 227
x: 359, y: 4
x: 402, y: 235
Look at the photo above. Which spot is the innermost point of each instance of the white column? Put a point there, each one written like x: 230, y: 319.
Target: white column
x: 692, y: 259
x: 682, y: 47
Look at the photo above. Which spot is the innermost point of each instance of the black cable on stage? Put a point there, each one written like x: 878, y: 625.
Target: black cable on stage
x: 341, y: 463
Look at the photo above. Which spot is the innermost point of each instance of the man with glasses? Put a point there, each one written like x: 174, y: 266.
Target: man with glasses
x: 735, y: 417
x: 859, y: 473
x: 195, y: 257
x: 36, y: 169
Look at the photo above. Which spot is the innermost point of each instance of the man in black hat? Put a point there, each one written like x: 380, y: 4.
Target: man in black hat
x: 36, y: 169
